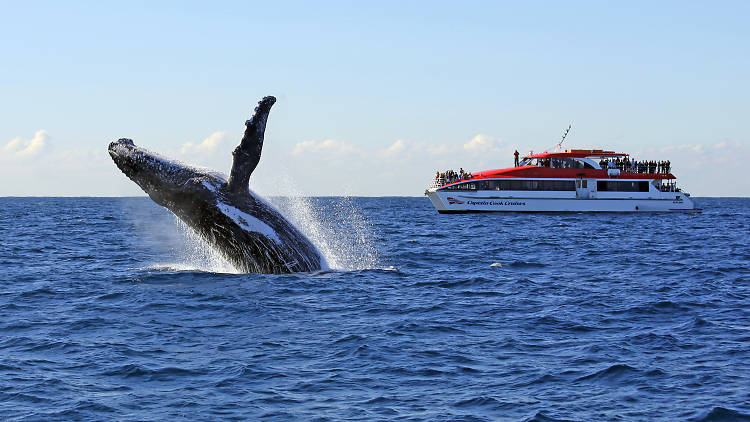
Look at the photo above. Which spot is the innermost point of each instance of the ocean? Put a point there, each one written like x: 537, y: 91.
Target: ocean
x: 110, y: 309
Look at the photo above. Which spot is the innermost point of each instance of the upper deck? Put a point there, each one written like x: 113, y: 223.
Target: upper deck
x: 571, y: 164
x: 578, y: 153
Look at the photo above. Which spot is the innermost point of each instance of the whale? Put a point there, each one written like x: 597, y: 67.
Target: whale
x: 246, y: 230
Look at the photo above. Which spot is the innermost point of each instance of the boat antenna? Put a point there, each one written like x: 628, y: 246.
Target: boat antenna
x: 559, y: 144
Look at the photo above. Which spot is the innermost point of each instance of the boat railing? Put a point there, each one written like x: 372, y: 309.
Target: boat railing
x: 441, y: 181
x: 669, y: 188
x: 434, y: 184
x: 634, y: 166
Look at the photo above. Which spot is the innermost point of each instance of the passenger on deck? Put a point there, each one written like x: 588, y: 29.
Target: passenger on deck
x: 515, y: 156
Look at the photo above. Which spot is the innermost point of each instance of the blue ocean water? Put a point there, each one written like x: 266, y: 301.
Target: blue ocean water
x: 109, y: 310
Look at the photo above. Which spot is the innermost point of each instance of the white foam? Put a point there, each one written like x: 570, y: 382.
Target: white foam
x: 187, y: 267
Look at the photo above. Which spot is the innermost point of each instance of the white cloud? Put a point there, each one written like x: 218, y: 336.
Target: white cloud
x: 706, y: 169
x: 483, y: 143
x: 208, y: 146
x: 395, y: 149
x: 405, y: 150
x: 441, y: 149
x: 688, y: 147
x: 329, y: 147
x: 20, y: 148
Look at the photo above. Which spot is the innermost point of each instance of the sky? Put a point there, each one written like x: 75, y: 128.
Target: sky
x: 373, y: 97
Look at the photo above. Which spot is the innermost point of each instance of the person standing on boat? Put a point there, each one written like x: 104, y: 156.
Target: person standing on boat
x: 515, y: 154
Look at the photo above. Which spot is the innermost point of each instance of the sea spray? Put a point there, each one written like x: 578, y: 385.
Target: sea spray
x: 194, y: 253
x: 337, y: 227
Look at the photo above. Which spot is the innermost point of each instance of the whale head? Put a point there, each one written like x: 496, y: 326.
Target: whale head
x: 166, y: 181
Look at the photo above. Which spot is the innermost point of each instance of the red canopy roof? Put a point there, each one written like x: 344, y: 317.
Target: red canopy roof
x: 578, y: 153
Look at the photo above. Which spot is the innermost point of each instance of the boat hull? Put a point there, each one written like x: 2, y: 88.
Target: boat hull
x: 447, y: 202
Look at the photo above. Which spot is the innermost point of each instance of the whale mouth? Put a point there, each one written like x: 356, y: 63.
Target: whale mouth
x: 148, y: 170
x: 120, y: 149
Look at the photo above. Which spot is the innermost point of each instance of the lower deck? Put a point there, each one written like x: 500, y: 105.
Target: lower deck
x: 447, y: 201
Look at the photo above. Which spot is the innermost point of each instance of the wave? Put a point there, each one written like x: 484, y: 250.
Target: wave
x: 164, y: 373
x: 610, y: 374
x: 526, y: 264
x: 481, y: 401
x: 657, y: 307
x: 541, y: 417
x: 722, y: 414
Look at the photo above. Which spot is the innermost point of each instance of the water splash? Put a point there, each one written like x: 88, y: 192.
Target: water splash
x: 193, y: 253
x: 336, y: 226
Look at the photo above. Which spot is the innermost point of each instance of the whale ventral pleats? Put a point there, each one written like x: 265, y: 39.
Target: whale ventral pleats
x: 247, y: 153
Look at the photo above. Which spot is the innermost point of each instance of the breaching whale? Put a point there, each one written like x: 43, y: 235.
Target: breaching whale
x: 250, y: 233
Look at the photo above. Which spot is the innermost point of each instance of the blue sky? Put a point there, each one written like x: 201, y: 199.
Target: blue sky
x: 373, y: 97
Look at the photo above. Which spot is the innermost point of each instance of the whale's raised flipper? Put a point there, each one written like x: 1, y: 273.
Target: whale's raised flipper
x: 247, y: 153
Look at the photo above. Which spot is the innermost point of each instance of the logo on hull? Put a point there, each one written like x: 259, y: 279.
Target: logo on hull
x: 452, y: 201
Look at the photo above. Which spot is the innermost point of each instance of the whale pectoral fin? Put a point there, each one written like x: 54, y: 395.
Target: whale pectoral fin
x: 247, y: 153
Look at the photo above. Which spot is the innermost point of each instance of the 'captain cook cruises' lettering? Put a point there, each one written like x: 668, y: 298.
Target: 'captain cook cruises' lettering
x: 573, y: 180
x: 495, y: 203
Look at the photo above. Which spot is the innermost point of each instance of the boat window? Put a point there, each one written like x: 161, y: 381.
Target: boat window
x: 557, y: 163
x: 462, y: 186
x: 621, y: 186
x: 532, y: 185
x: 568, y: 163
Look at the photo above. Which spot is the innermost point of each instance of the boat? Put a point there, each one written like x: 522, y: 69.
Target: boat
x: 573, y: 180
